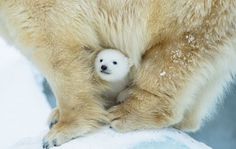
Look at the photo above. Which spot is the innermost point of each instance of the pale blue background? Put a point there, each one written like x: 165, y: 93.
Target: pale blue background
x: 220, y: 132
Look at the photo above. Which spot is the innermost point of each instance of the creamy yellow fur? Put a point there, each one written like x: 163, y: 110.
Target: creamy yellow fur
x: 184, y: 52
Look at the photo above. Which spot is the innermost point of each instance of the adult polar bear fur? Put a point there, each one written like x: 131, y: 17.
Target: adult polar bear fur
x: 184, y: 53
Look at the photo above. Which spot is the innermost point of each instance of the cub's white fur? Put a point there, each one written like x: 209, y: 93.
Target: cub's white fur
x: 113, y: 66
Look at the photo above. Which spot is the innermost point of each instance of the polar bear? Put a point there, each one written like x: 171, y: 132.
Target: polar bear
x: 183, y: 53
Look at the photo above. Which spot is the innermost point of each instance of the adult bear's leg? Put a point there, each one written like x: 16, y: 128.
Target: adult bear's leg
x: 164, y: 86
x: 53, y: 37
x: 80, y: 108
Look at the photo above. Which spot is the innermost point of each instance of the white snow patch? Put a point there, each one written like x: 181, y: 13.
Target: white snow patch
x: 163, y: 73
x: 23, y: 108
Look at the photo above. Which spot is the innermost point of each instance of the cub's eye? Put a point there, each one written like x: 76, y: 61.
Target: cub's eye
x: 101, y: 60
x: 114, y: 62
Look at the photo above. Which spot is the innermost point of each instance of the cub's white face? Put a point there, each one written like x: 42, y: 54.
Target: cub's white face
x: 112, y: 65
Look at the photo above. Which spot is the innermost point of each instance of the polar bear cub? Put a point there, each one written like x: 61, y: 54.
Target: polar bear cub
x: 113, y: 66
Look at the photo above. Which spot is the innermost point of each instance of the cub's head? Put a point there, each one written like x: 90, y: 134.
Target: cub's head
x: 111, y: 65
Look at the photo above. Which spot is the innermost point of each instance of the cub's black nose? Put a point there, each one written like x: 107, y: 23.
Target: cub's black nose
x: 104, y: 67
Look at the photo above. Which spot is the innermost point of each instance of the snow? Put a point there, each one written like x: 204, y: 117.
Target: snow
x: 24, y: 112
x: 23, y: 109
x: 108, y: 139
x: 190, y: 38
x: 163, y: 73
